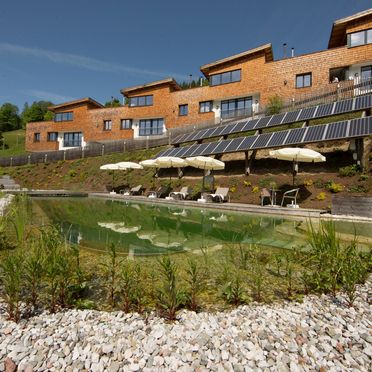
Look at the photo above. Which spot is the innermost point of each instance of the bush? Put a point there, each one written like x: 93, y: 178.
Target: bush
x: 247, y: 184
x: 255, y: 189
x: 334, y: 187
x: 349, y: 170
x: 363, y: 177
x: 274, y: 106
x: 308, y: 182
x: 321, y: 196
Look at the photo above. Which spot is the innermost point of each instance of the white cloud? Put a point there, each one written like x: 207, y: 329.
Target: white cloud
x: 46, y: 96
x: 82, y: 61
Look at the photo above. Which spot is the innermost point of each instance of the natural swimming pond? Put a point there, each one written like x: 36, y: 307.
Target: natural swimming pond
x: 140, y: 228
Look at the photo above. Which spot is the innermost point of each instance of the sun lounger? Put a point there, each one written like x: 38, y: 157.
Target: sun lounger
x: 137, y: 190
x: 161, y: 192
x: 221, y: 195
x: 180, y: 195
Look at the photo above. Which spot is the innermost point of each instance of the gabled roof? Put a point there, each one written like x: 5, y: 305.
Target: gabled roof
x: 138, y: 88
x: 266, y: 48
x: 76, y: 102
x: 338, y: 33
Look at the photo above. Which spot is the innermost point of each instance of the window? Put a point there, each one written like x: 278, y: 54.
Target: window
x: 107, y: 125
x: 126, y: 124
x: 359, y: 38
x: 52, y: 136
x: 141, y: 101
x: 236, y: 107
x: 303, y: 80
x: 205, y: 106
x: 183, y: 110
x: 225, y: 77
x: 72, y: 139
x: 151, y: 127
x: 63, y: 116
x: 36, y: 137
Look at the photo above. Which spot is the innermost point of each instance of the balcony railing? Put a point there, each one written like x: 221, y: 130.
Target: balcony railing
x: 228, y: 114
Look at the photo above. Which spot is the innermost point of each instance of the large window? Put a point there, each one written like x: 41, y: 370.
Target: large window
x: 225, y: 77
x: 64, y: 116
x: 205, y: 106
x: 52, y: 136
x: 36, y: 137
x: 141, y: 101
x: 72, y: 139
x: 151, y: 127
x: 303, y: 80
x: 359, y: 38
x: 107, y: 125
x: 126, y: 124
x: 183, y: 110
x: 236, y: 107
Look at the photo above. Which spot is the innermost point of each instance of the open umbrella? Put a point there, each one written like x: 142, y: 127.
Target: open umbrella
x: 296, y: 154
x: 206, y: 163
x: 170, y: 162
x: 113, y: 168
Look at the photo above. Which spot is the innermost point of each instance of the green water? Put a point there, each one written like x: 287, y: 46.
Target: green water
x: 152, y: 229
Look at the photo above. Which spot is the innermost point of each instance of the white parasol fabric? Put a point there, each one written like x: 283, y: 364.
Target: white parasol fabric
x: 149, y: 163
x: 109, y: 167
x: 129, y: 165
x: 170, y: 162
x: 298, y: 155
x: 205, y: 162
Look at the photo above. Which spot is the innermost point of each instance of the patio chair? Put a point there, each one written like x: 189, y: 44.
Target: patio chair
x: 137, y: 190
x: 220, y: 195
x: 291, y: 195
x: 265, y: 193
x: 161, y: 192
x: 180, y: 195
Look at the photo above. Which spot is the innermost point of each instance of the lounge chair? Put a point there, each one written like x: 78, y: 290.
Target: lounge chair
x: 161, y: 192
x: 137, y: 190
x: 291, y: 195
x: 265, y: 193
x: 220, y: 195
x: 180, y: 195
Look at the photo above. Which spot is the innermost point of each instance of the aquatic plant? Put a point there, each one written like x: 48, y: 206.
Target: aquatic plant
x: 233, y: 290
x: 195, y: 279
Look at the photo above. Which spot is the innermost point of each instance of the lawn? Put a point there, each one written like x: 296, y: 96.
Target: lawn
x: 15, y: 141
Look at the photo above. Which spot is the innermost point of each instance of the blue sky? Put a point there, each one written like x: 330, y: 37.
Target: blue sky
x: 63, y: 50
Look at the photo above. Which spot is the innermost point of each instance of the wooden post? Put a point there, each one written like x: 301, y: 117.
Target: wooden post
x: 103, y: 150
x: 246, y: 163
x: 45, y: 158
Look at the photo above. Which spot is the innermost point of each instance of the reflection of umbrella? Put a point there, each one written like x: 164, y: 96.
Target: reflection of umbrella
x: 119, y: 227
x: 113, y: 168
x: 206, y: 163
x: 162, y: 240
x: 296, y: 155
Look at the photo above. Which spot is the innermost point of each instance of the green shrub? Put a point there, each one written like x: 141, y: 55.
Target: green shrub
x: 349, y: 170
x: 233, y: 290
x: 274, y: 105
x: 357, y: 188
x: 363, y: 177
x: 334, y: 187
x: 321, y: 196
x: 196, y: 282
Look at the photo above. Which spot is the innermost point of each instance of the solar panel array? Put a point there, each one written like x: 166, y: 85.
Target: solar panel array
x: 315, y: 112
x: 326, y: 132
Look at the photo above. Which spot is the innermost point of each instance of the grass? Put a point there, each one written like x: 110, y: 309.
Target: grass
x: 16, y: 143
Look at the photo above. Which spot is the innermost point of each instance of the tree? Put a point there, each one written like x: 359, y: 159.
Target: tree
x: 115, y: 102
x: 274, y: 105
x: 38, y: 111
x: 9, y: 117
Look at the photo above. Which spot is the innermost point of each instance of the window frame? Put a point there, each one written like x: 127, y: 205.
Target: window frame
x: 303, y: 76
x: 49, y: 136
x: 365, y: 41
x: 107, y: 125
x: 223, y: 75
x: 64, y: 116
x: 149, y: 129
x: 74, y: 142
x: 125, y: 127
x: 202, y: 104
x: 183, y: 110
x: 148, y: 101
x: 37, y: 137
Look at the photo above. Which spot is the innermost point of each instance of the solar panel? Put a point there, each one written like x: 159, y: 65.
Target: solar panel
x: 220, y: 147
x: 277, y: 139
x: 314, y: 133
x: 295, y: 136
x: 363, y: 102
x: 307, y: 113
x: 177, y: 151
x: 179, y: 138
x: 360, y: 127
x: 262, y: 122
x: 262, y: 140
x: 207, y: 148
x: 343, y: 106
x: 324, y: 110
x: 250, y: 125
x: 247, y: 143
x: 336, y: 130
x: 189, y: 150
x: 234, y: 144
x: 276, y: 119
x: 239, y: 127
x: 290, y: 117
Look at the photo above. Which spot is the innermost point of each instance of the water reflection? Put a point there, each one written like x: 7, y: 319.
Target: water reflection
x: 152, y: 229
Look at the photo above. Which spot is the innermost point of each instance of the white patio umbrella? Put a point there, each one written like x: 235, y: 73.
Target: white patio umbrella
x: 119, y: 227
x: 206, y: 163
x: 296, y: 154
x: 111, y: 167
x: 170, y: 162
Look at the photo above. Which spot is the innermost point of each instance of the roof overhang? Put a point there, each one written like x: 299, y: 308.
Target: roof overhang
x: 266, y: 49
x: 81, y: 101
x: 338, y: 33
x: 138, y: 88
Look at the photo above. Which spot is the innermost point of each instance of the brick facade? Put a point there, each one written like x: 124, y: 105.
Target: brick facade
x: 261, y: 78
